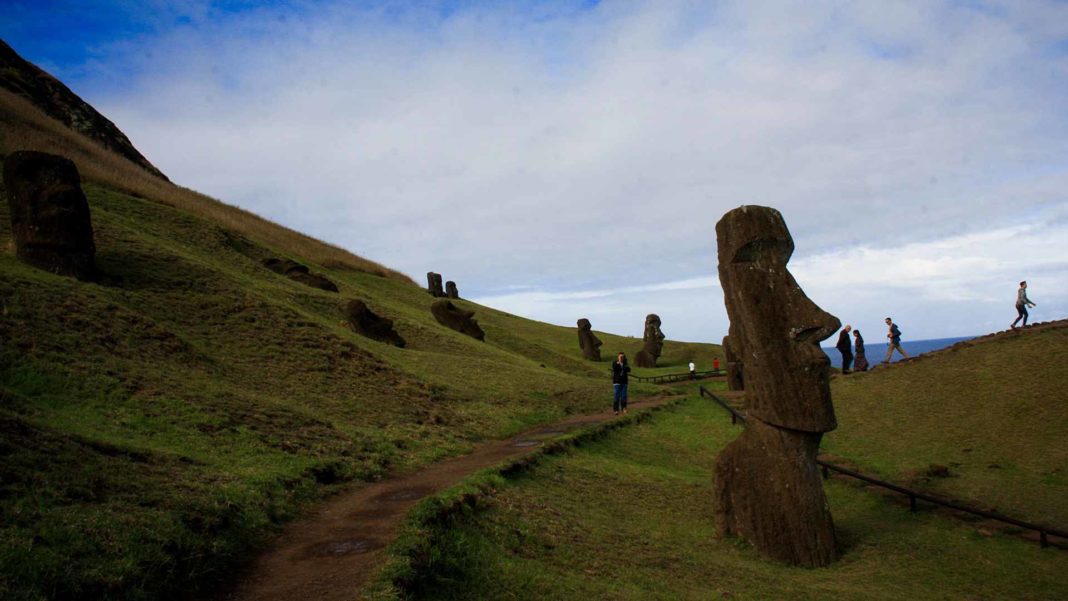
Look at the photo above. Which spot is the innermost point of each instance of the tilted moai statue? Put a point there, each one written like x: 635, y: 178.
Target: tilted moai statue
x: 433, y: 284
x: 367, y: 323
x: 451, y: 316
x: 735, y: 379
x: 653, y: 342
x: 50, y: 220
x: 450, y: 289
x: 768, y: 489
x: 590, y: 344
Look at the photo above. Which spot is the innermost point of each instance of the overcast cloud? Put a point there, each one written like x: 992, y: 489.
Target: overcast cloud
x: 566, y: 162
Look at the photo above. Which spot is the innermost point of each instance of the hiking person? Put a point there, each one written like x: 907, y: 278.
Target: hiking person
x: 693, y: 371
x: 860, y: 362
x: 1022, y: 302
x: 620, y: 369
x: 894, y: 335
x: 845, y: 346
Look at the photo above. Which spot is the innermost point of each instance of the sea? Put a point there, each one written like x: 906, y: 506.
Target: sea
x: 875, y: 350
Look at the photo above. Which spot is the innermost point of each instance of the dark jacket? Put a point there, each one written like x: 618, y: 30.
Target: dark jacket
x: 895, y: 334
x: 619, y: 372
x: 844, y: 345
x: 859, y: 348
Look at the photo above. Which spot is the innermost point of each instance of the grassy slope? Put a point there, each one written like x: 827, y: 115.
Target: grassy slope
x: 994, y: 413
x: 153, y: 427
x: 630, y: 517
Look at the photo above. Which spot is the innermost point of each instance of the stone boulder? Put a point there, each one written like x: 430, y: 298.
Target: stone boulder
x: 768, y: 489
x: 450, y: 290
x: 50, y: 220
x: 735, y: 373
x: 461, y: 320
x: 367, y: 323
x: 652, y: 342
x: 299, y: 273
x: 588, y: 342
x: 433, y: 284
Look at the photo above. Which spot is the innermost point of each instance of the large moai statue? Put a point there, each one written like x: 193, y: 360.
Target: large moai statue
x: 653, y: 342
x: 367, y: 323
x: 451, y: 316
x: 590, y: 344
x: 768, y: 489
x: 735, y: 378
x: 50, y: 219
x: 450, y: 290
x: 433, y: 284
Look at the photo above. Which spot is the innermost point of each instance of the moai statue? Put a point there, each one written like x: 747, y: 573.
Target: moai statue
x: 367, y: 323
x: 451, y: 316
x: 735, y: 380
x: 50, y: 220
x: 768, y: 489
x: 433, y: 284
x: 590, y: 344
x: 653, y: 342
x: 450, y: 289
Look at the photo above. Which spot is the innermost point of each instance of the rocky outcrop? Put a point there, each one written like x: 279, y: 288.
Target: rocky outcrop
x: 588, y: 342
x: 433, y: 284
x: 768, y: 489
x: 50, y: 220
x: 58, y: 102
x: 461, y: 320
x: 299, y: 273
x: 652, y: 342
x: 367, y: 323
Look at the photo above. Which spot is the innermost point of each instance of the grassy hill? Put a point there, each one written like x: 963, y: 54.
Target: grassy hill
x: 157, y: 426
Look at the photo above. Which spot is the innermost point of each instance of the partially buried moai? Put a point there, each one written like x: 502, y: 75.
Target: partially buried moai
x: 735, y: 378
x: 433, y: 284
x: 590, y: 344
x: 50, y: 220
x: 451, y: 290
x: 652, y: 342
x: 367, y: 323
x: 768, y: 489
x: 461, y: 320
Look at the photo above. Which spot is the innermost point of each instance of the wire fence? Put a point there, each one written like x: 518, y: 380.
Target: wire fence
x: 666, y: 378
x: 1044, y: 532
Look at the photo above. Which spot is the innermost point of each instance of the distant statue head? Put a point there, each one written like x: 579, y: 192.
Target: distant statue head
x: 652, y: 342
x: 433, y: 284
x: 774, y: 326
x: 588, y: 342
x: 451, y: 291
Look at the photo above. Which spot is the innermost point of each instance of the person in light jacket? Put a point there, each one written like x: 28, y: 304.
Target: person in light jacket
x: 1022, y: 302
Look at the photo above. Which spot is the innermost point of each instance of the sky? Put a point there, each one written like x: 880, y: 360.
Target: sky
x: 561, y: 160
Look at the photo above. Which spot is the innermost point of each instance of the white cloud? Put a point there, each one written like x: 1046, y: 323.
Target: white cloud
x: 595, y: 150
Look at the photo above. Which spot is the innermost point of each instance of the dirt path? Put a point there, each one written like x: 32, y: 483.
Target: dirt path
x: 332, y: 553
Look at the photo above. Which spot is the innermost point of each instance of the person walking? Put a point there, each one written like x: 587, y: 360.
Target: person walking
x: 845, y: 346
x: 894, y: 335
x: 1022, y: 302
x: 860, y: 362
x: 693, y: 371
x: 620, y: 369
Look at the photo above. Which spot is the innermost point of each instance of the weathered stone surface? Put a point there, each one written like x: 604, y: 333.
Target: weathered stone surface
x: 433, y: 284
x: 461, y: 320
x: 450, y: 290
x: 735, y: 374
x: 588, y: 342
x: 50, y: 219
x: 653, y: 342
x: 768, y: 488
x: 299, y: 273
x: 367, y: 323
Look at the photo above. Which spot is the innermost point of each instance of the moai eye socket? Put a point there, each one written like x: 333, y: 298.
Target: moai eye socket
x: 754, y: 251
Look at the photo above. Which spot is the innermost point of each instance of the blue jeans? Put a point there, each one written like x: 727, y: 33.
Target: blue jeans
x: 620, y: 402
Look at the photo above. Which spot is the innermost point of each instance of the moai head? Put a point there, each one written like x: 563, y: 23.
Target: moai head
x: 50, y: 220
x: 653, y: 337
x: 433, y: 284
x: 367, y: 323
x: 588, y: 342
x: 775, y: 329
x: 450, y: 290
x: 461, y: 320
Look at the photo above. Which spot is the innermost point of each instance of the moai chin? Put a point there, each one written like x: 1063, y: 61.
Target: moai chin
x: 768, y: 488
x: 653, y: 342
x: 50, y: 219
x: 588, y: 342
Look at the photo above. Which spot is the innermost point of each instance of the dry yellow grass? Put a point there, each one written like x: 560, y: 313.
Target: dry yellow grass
x: 24, y: 127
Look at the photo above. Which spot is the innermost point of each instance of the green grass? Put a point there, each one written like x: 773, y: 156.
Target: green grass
x: 994, y: 413
x: 156, y: 427
x: 630, y: 517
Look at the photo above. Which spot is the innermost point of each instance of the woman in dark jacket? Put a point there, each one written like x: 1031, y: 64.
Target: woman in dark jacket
x: 860, y: 362
x: 844, y: 347
x: 620, y: 369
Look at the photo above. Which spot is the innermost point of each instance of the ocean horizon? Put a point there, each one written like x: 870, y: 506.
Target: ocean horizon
x: 875, y: 350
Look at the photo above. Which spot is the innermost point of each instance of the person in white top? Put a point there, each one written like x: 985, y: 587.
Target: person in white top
x: 693, y: 371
